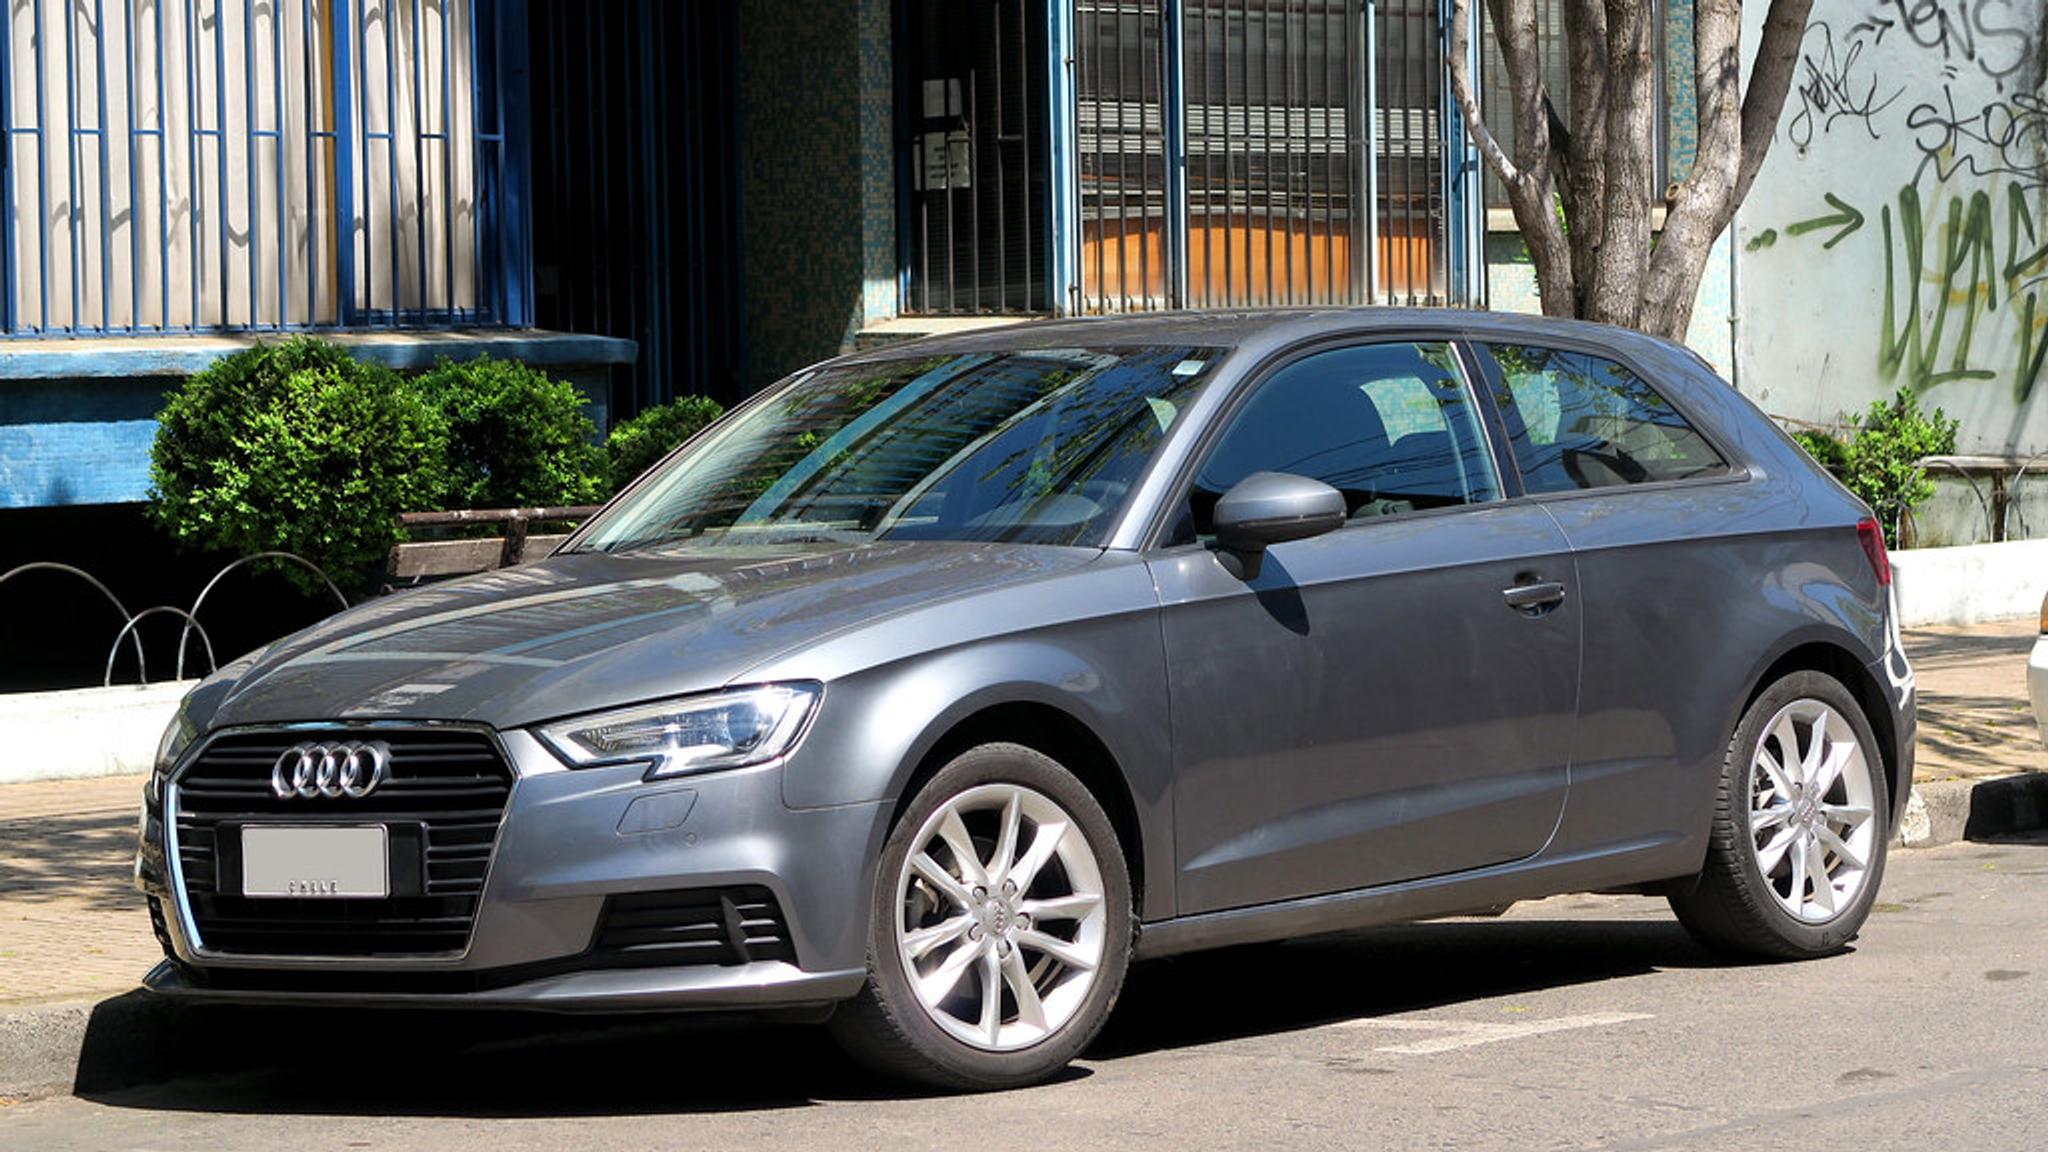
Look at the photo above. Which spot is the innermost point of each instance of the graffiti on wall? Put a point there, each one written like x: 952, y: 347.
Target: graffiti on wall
x: 1950, y: 94
x: 1992, y: 36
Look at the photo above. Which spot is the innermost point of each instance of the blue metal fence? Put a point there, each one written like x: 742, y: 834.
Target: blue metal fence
x: 637, y: 225
x: 1259, y: 153
x: 175, y: 166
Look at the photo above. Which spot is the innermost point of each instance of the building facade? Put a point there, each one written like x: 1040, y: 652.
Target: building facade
x: 658, y: 199
x: 663, y: 198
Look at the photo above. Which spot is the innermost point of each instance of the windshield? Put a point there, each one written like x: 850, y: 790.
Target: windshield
x: 1038, y: 446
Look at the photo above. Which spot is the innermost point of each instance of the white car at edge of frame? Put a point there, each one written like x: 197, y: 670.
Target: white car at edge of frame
x: 2037, y: 674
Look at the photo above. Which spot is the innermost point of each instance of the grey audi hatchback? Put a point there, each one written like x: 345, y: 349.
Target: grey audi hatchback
x: 935, y: 685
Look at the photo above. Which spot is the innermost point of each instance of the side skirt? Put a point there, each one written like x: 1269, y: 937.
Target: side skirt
x: 1607, y: 866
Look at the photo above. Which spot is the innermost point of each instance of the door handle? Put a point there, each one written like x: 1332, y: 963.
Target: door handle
x: 1534, y: 599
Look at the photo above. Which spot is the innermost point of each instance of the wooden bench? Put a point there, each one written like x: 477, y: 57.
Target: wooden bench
x: 417, y: 560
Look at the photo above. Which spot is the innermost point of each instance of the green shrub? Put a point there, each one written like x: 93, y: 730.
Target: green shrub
x: 636, y: 444
x: 1825, y: 447
x: 516, y: 438
x: 296, y: 447
x: 1880, y: 459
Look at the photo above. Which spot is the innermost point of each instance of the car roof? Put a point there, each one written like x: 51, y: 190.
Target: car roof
x: 1267, y: 329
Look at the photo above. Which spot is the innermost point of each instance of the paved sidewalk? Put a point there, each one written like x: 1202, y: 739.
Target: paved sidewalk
x: 73, y: 927
x: 1975, y: 721
x: 72, y: 924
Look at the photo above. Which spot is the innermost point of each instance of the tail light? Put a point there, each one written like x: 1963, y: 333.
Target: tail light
x: 1872, y: 538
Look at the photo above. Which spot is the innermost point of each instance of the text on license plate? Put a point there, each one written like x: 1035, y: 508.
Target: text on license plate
x: 315, y: 863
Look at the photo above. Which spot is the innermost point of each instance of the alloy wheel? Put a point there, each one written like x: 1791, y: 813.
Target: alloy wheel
x: 1811, y: 801
x: 1000, y: 920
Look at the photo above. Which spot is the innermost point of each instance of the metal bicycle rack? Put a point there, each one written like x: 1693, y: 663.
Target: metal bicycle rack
x: 189, y: 615
x: 2004, y: 513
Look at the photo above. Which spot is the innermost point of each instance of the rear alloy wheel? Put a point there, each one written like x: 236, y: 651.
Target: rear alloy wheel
x: 1002, y: 927
x: 1812, y: 811
x: 1799, y: 832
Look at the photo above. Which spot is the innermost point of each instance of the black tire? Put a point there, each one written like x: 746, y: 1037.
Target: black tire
x: 887, y: 1028
x: 1730, y: 907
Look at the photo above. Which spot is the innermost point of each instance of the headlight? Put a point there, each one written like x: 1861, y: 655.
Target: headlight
x: 694, y: 734
x: 177, y: 737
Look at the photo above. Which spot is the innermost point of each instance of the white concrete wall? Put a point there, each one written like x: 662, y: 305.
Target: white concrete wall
x: 1898, y: 234
x: 84, y: 732
x: 1969, y: 584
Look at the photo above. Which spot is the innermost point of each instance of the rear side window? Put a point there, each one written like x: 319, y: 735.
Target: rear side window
x: 1581, y: 421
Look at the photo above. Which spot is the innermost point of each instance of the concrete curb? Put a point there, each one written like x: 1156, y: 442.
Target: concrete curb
x: 138, y: 1040
x: 121, y: 1042
x: 1950, y: 810
x: 39, y: 1049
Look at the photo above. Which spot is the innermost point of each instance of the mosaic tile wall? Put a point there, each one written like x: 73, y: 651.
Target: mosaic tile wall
x: 1682, y: 114
x: 817, y: 185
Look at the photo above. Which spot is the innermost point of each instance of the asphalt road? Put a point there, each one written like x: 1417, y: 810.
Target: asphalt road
x: 1583, y: 1022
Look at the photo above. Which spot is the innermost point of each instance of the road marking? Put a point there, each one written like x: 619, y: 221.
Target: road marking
x: 1473, y: 1033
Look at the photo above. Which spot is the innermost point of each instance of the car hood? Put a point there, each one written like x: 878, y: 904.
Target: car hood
x: 582, y: 632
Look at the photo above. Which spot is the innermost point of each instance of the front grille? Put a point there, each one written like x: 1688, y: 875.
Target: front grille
x: 693, y: 926
x: 441, y: 803
x: 159, y: 928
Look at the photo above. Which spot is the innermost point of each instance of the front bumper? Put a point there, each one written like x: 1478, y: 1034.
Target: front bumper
x: 764, y: 984
x: 568, y: 843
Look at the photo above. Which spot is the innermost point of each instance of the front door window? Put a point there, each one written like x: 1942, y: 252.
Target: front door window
x: 1391, y: 426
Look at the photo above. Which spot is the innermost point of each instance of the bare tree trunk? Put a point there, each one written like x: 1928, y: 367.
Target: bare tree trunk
x: 1603, y: 262
x: 1631, y: 141
x: 1585, y: 196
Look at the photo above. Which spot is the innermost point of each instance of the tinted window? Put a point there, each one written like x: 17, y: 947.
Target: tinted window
x: 1037, y: 446
x: 1580, y: 421
x: 1389, y: 425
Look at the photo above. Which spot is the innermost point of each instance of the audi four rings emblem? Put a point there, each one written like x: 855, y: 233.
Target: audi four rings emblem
x: 310, y: 771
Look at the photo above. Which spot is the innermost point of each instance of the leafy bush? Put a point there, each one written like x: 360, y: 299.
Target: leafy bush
x: 1827, y: 450
x: 635, y: 445
x: 296, y: 447
x: 516, y: 437
x: 1880, y: 460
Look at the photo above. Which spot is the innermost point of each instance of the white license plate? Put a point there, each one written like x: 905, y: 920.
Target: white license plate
x: 316, y: 863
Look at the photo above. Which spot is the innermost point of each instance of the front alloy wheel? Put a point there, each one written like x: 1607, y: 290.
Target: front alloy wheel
x: 1001, y: 929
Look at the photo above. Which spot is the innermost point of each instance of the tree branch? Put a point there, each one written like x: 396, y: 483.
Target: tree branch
x: 1514, y: 31
x: 1526, y: 175
x: 1468, y: 101
x: 1705, y: 199
x: 1770, y: 80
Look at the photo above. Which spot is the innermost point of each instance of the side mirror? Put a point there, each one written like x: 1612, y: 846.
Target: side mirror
x: 1267, y: 508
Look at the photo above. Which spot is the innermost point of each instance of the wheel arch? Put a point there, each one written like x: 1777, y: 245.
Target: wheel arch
x: 1054, y: 732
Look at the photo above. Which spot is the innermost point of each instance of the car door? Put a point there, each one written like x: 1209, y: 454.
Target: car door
x: 1370, y: 707
x: 1667, y: 542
